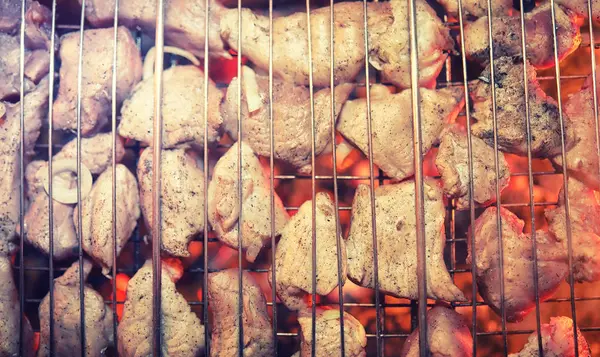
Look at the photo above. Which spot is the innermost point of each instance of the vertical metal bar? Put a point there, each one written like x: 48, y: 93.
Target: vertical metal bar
x: 594, y: 76
x: 336, y: 200
x: 565, y: 176
x: 496, y: 166
x: 471, y: 177
x: 50, y: 179
x: 313, y: 186
x: 79, y: 213
x: 240, y: 187
x: 114, y: 173
x: 378, y: 338
x: 418, y: 162
x: 272, y: 181
x: 22, y: 180
x: 136, y: 246
x: 156, y: 180
x: 206, y: 176
x: 530, y: 178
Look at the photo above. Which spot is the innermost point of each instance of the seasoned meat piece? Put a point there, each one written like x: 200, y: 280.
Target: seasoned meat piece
x: 538, y: 26
x: 396, y: 241
x: 328, y: 343
x: 182, y: 186
x: 452, y: 161
x: 36, y: 105
x: 37, y: 46
x: 582, y: 158
x: 10, y: 313
x: 580, y: 8
x: 292, y: 121
x: 519, y: 297
x: 96, y: 152
x: 96, y: 70
x: 393, y: 139
x: 182, y: 333
x: 557, y: 341
x: 67, y: 317
x: 223, y: 293
x: 510, y: 112
x: 224, y: 202
x: 447, y: 334
x: 293, y: 257
x: 183, y: 106
x: 388, y: 42
x: 584, y: 208
x: 478, y: 8
x: 183, y: 23
x: 97, y: 215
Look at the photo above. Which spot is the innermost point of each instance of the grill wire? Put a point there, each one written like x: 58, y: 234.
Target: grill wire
x: 417, y: 308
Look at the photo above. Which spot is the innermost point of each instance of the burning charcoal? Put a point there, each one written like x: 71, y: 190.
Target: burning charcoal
x: 519, y: 294
x: 224, y: 209
x: 181, y: 330
x: 393, y: 139
x: 388, y: 42
x: 510, y: 108
x: 67, y: 316
x: 291, y: 115
x: 293, y: 257
x: 538, y: 32
x: 223, y: 294
x: 447, y: 334
x: 328, y: 343
x: 557, y: 341
x: 452, y: 161
x: 182, y: 186
x: 584, y: 208
x: 396, y: 241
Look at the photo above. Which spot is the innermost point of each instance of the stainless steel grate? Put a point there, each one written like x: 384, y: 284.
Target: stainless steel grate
x: 381, y: 313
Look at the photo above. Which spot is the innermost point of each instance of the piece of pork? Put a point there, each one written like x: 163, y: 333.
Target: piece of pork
x: 452, y: 161
x: 506, y: 31
x: 584, y: 208
x: 447, y: 334
x: 182, y: 187
x: 519, y: 295
x: 510, y: 112
x: 292, y: 121
x: 558, y: 340
x: 293, y: 256
x: 580, y: 7
x: 36, y: 106
x: 181, y: 330
x: 97, y: 215
x: 96, y: 152
x: 184, y: 21
x: 223, y: 294
x: 182, y: 106
x: 478, y: 8
x: 10, y: 310
x: 582, y: 157
x: 393, y: 139
x: 224, y: 209
x: 67, y: 317
x: 97, y: 76
x: 328, y: 343
x: 397, y: 243
x: 388, y: 42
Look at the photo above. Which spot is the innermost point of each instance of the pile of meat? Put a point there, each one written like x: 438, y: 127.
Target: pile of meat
x: 294, y: 116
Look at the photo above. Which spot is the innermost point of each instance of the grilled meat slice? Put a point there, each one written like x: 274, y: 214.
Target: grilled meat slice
x: 452, y: 161
x: 223, y: 292
x: 96, y: 152
x: 96, y: 77
x: 182, y: 187
x: 393, y: 139
x: 396, y: 242
x: 293, y: 257
x: 292, y: 121
x: 510, y: 109
x: 519, y: 296
x: 478, y: 8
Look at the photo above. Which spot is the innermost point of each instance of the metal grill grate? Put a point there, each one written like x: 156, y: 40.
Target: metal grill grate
x: 384, y: 335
